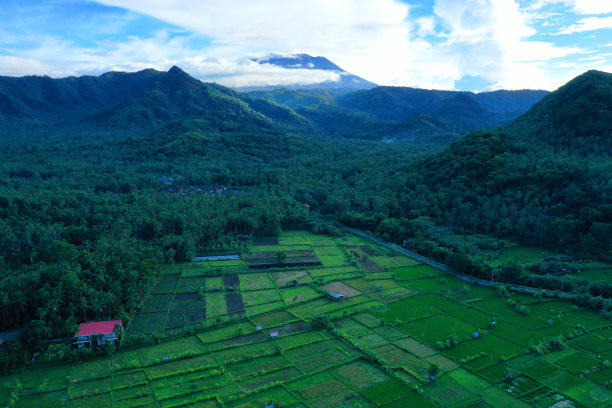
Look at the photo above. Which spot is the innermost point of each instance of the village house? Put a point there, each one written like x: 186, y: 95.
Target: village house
x: 99, y: 333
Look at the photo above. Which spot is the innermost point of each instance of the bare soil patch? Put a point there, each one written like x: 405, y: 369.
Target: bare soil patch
x: 231, y: 280
x: 265, y: 241
x: 342, y: 288
x: 369, y: 250
x: 370, y: 266
x: 234, y: 303
x: 187, y: 296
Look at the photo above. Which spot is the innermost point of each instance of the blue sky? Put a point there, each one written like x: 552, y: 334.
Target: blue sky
x: 443, y: 44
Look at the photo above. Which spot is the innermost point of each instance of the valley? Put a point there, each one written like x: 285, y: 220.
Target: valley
x: 107, y: 198
x: 403, y: 335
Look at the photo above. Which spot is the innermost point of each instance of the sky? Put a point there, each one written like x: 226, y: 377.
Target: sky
x: 475, y: 45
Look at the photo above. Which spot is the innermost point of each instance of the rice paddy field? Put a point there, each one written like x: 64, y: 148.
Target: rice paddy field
x: 240, y: 335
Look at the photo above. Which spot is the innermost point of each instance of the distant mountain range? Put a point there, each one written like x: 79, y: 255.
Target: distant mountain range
x: 146, y: 100
x: 399, y: 113
x: 347, y: 82
x: 128, y: 103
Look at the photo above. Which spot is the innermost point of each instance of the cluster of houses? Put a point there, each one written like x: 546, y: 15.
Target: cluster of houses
x: 170, y: 188
x: 186, y: 191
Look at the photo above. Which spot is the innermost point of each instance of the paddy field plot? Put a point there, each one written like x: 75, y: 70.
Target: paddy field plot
x: 242, y: 337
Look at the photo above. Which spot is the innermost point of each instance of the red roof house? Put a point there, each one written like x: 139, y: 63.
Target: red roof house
x: 102, y: 331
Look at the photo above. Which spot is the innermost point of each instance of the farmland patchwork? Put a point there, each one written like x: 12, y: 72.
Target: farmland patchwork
x: 247, y: 333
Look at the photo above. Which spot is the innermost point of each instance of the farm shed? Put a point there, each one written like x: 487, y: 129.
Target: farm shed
x: 216, y: 257
x: 335, y: 296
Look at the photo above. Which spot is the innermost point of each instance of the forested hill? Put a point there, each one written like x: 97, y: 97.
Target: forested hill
x: 543, y: 179
x: 577, y: 117
x: 118, y: 101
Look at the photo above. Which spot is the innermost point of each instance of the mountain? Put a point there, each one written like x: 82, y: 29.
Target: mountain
x: 577, y: 116
x: 346, y: 83
x: 399, y: 103
x: 546, y: 174
x: 503, y: 101
x: 118, y: 103
x: 400, y: 113
x: 132, y: 102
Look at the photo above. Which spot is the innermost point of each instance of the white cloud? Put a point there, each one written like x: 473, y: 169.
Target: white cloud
x: 365, y: 33
x: 375, y: 39
x: 427, y: 26
x: 160, y: 52
x: 16, y: 66
x: 591, y: 6
x: 578, y: 6
x: 490, y: 39
x: 371, y: 39
x: 588, y: 24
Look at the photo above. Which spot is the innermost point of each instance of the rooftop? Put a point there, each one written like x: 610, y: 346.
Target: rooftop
x: 88, y: 329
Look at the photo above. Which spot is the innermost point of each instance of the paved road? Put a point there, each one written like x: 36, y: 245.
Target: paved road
x: 444, y: 268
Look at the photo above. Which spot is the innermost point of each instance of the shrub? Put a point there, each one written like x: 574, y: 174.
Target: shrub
x: 321, y: 322
x: 549, y: 345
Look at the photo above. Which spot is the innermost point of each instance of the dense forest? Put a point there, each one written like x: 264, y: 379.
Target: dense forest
x: 105, y: 180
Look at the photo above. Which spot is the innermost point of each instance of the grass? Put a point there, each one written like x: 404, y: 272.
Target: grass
x: 260, y: 399
x: 405, y: 310
x: 360, y: 374
x: 389, y: 332
x: 264, y: 308
x: 322, y: 362
x: 415, y: 347
x: 386, y: 391
x: 186, y: 346
x: 252, y: 367
x: 490, y: 345
x: 412, y: 400
x: 284, y: 278
x: 321, y: 389
x: 590, y: 395
x: 438, y: 328
x: 394, y: 356
x: 259, y: 297
x: 283, y: 374
x: 592, y: 343
x: 447, y: 392
x: 521, y: 254
x: 298, y: 294
x: 166, y: 284
x: 179, y: 366
x: 215, y: 304
x: 190, y: 284
x: 418, y: 271
x: 579, y: 363
x: 255, y: 281
x: 146, y: 323
x: 226, y: 332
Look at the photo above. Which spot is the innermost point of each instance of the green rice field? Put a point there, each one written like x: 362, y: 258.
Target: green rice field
x: 238, y: 333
